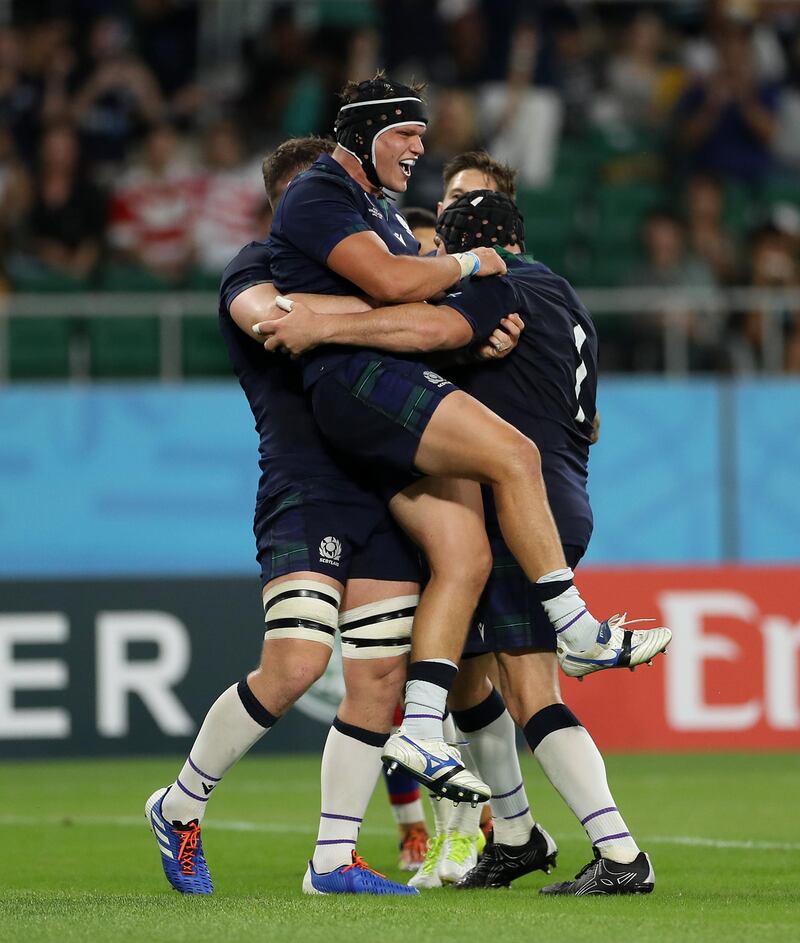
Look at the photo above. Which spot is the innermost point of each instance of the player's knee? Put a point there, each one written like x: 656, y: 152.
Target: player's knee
x: 301, y: 609
x: 379, y: 632
x: 376, y: 680
x: 517, y: 459
x: 464, y: 565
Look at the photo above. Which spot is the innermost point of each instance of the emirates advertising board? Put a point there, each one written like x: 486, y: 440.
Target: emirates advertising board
x: 118, y: 667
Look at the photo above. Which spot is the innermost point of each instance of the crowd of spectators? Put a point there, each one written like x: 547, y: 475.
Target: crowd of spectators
x: 130, y: 155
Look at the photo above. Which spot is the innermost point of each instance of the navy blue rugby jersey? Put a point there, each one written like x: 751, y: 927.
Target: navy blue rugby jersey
x: 322, y: 206
x: 547, y: 387
x: 290, y: 446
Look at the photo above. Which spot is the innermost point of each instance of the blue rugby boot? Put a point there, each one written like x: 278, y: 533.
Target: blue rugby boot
x: 355, y: 878
x: 616, y: 647
x: 181, y: 849
x: 435, y: 764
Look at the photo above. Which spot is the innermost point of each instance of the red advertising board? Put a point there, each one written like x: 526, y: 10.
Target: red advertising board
x: 731, y: 677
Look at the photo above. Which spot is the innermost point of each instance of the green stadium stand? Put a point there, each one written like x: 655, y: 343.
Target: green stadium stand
x: 122, y: 348
x: 121, y: 277
x: 204, y: 351
x: 39, y: 348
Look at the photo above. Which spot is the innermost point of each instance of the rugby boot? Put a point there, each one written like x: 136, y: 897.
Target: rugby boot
x: 355, y: 878
x: 616, y: 647
x: 428, y: 874
x: 499, y: 865
x: 435, y: 764
x: 181, y: 849
x: 461, y: 856
x: 603, y: 877
x: 413, y: 848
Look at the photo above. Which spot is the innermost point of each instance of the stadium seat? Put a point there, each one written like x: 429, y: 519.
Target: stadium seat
x: 124, y: 347
x: 39, y: 348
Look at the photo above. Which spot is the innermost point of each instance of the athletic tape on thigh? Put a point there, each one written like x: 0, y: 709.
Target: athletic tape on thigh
x: 379, y: 629
x: 303, y: 609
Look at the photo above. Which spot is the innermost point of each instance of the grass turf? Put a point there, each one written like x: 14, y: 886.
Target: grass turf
x: 78, y: 863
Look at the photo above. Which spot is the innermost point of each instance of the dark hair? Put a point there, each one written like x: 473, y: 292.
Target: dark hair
x: 379, y: 86
x: 417, y: 216
x: 289, y: 159
x: 503, y: 175
x: 663, y: 214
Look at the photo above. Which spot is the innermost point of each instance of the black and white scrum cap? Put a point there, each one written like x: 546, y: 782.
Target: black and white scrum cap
x: 481, y: 218
x: 378, y: 106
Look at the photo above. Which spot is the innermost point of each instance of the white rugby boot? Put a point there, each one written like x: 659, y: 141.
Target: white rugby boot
x: 435, y: 764
x: 616, y: 647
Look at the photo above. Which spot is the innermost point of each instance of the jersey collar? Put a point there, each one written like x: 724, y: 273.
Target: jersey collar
x: 507, y: 256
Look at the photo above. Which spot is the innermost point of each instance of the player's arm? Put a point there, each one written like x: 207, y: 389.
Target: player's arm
x: 363, y: 259
x: 257, y: 304
x: 409, y: 328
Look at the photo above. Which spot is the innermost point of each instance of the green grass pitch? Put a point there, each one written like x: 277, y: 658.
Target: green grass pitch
x: 78, y: 863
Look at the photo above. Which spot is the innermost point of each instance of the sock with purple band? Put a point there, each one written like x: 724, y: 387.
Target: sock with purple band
x: 574, y: 766
x: 428, y: 685
x: 236, y: 721
x: 351, y: 764
x: 492, y: 740
x: 566, y: 610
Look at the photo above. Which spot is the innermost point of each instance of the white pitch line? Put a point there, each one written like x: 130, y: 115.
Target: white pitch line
x: 281, y: 828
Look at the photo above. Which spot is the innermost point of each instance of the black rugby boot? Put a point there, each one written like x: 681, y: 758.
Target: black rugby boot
x: 602, y: 876
x: 499, y: 865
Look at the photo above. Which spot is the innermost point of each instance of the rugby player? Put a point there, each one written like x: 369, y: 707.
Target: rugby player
x: 547, y: 390
x: 322, y: 540
x: 334, y: 232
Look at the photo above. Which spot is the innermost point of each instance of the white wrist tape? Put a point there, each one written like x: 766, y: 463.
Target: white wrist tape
x: 469, y: 262
x: 285, y: 304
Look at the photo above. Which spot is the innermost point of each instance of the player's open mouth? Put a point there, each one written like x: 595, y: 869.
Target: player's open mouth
x: 407, y: 166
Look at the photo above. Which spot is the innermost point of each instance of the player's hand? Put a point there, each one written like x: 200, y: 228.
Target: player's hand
x: 293, y: 333
x: 595, y: 437
x: 491, y: 263
x: 503, y: 339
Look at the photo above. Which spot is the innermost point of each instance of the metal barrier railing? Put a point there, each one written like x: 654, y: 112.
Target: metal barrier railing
x: 673, y: 306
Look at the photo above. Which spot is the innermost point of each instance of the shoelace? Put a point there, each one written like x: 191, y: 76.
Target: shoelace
x: 415, y: 844
x: 431, y: 861
x: 460, y: 848
x: 358, y: 862
x: 622, y: 621
x: 188, y: 846
x: 587, y: 867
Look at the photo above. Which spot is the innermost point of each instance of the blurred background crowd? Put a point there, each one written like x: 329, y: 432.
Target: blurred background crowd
x: 658, y: 148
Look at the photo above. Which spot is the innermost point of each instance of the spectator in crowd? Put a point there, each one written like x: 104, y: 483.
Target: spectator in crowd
x: 453, y: 130
x: 727, y: 121
x: 281, y: 88
x: 763, y: 337
x: 641, y: 85
x: 166, y: 34
x: 231, y: 198
x: 119, y: 98
x: 16, y: 191
x: 708, y: 240
x: 34, y: 63
x: 67, y: 223
x: 153, y: 209
x: 671, y: 265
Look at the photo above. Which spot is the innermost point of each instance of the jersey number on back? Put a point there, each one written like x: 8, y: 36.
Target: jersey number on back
x: 580, y: 373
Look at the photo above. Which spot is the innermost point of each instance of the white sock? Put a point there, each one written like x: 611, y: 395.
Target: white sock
x: 407, y: 813
x: 351, y: 764
x: 494, y: 748
x: 574, y: 766
x: 568, y: 612
x: 426, y: 697
x: 464, y: 819
x: 234, y: 723
x: 442, y: 810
